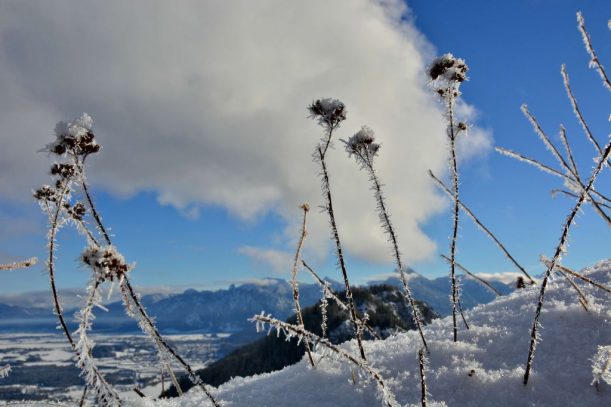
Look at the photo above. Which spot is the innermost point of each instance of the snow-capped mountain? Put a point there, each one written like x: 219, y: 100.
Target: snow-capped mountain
x: 227, y: 310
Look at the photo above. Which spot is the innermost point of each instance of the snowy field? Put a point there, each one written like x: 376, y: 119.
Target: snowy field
x: 43, y: 366
x: 484, y: 369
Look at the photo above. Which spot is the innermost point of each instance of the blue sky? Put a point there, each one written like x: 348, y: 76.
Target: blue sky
x: 192, y: 211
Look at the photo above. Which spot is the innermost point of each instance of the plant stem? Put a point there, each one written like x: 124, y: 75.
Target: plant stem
x: 560, y: 248
x: 335, y: 234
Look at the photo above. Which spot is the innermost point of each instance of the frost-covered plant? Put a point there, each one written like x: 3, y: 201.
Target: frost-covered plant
x: 74, y: 142
x: 329, y: 114
x: 569, y: 172
x: 601, y: 366
x: 447, y: 73
x: 290, y: 331
x: 363, y: 147
x: 329, y: 294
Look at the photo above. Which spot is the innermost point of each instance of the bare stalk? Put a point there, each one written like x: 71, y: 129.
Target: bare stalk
x: 84, y: 396
x: 569, y: 151
x: 560, y: 249
x: 577, y: 110
x: 294, y: 284
x: 454, y: 170
x: 482, y: 227
x: 594, y: 61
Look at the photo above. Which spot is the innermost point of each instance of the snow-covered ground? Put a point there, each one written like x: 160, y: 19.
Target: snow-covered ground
x: 484, y: 368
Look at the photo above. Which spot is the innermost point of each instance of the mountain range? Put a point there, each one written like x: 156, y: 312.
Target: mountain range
x: 227, y: 310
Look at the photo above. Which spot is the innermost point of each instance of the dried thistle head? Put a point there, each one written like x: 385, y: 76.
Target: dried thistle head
x: 46, y: 193
x: 305, y: 206
x: 362, y: 145
x: 63, y: 170
x: 449, y: 69
x: 106, y: 262
x: 74, y: 136
x: 329, y: 112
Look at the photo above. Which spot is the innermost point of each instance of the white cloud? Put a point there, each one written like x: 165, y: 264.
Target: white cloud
x: 278, y: 260
x: 205, y: 104
x: 507, y: 277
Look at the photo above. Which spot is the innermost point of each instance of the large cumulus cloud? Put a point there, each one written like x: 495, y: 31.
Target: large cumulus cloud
x: 204, y: 103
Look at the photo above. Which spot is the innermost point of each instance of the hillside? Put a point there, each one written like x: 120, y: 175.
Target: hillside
x: 387, y: 309
x: 484, y: 368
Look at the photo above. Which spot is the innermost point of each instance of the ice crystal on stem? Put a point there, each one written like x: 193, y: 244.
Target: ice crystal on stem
x: 601, y: 366
x: 330, y: 113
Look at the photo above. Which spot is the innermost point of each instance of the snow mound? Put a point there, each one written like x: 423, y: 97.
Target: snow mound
x: 484, y: 368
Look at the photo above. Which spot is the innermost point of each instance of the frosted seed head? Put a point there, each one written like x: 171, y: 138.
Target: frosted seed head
x: 76, y: 136
x: 106, y: 262
x: 362, y: 144
x: 329, y: 112
x: 448, y: 68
